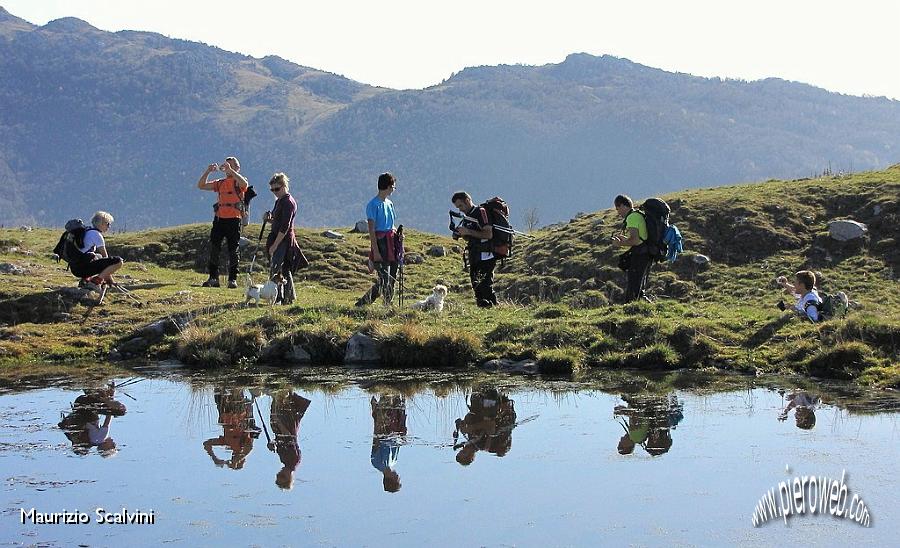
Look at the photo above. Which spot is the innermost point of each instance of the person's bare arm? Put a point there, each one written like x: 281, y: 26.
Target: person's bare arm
x: 203, y: 184
x: 485, y: 233
x: 242, y: 182
x: 633, y: 238
x: 373, y: 241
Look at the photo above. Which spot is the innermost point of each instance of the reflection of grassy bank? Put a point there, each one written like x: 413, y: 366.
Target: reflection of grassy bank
x: 719, y: 316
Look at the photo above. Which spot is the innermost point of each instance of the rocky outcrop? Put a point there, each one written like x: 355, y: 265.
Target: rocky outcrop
x: 362, y: 349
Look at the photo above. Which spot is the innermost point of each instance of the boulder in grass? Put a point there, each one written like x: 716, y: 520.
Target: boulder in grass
x: 361, y: 227
x: 700, y: 259
x: 844, y: 230
x: 413, y: 258
x: 297, y: 355
x: 437, y: 251
x: 333, y: 235
x: 361, y: 348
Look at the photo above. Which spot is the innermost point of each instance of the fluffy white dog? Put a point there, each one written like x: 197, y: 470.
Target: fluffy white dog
x: 435, y: 301
x: 267, y: 292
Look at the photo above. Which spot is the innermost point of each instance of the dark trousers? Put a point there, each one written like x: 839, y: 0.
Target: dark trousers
x: 387, y: 275
x: 281, y: 264
x: 637, y: 275
x: 481, y: 273
x: 230, y: 230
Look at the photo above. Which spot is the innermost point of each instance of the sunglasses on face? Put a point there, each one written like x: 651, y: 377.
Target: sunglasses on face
x: 275, y: 188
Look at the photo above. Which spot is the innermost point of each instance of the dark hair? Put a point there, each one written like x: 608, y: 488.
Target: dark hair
x: 385, y: 180
x: 460, y: 196
x: 807, y: 278
x: 622, y: 199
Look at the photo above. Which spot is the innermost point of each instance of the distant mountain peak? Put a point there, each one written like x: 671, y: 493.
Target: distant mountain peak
x: 70, y: 24
x: 10, y: 21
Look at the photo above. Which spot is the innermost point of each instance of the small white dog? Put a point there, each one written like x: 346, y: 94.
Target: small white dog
x: 267, y: 292
x: 435, y: 301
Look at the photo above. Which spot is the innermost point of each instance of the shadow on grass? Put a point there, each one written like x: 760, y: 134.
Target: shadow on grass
x: 766, y: 332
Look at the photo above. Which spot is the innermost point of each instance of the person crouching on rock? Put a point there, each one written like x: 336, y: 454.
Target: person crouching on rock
x: 229, y: 210
x: 102, y: 267
x: 281, y: 244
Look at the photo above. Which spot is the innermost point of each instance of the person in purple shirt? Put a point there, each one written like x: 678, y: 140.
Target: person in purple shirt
x: 287, y: 410
x: 281, y: 244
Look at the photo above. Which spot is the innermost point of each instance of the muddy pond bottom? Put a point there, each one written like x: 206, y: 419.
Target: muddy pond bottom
x: 289, y: 460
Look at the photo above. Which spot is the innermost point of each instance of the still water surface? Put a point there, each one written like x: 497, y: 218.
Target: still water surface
x: 482, y: 462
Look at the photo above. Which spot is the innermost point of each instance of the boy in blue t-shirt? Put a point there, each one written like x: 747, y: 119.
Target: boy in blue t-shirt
x: 383, y: 247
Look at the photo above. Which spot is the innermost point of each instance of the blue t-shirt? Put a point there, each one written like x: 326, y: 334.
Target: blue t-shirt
x: 381, y: 212
x: 385, y: 455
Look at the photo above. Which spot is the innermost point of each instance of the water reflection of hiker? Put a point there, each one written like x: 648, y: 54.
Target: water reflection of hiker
x: 82, y: 425
x: 487, y: 426
x: 389, y: 418
x: 238, y: 428
x: 637, y: 258
x: 650, y: 420
x: 383, y: 244
x: 477, y: 230
x: 281, y: 244
x: 804, y: 405
x: 287, y: 410
x: 229, y: 209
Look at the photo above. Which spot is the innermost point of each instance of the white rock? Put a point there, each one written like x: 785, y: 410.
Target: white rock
x: 843, y: 230
x: 361, y: 226
x: 333, y: 235
x: 700, y: 259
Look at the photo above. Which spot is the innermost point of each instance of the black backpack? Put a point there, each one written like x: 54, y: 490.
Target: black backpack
x: 656, y: 214
x: 70, y: 243
x: 498, y: 215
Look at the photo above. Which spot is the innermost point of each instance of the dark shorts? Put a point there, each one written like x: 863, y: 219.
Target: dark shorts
x: 95, y: 267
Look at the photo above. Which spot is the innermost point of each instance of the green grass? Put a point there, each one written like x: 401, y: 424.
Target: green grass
x: 556, y: 295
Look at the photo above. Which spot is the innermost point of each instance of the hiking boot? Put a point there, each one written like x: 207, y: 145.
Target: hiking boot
x: 212, y: 282
x: 232, y: 284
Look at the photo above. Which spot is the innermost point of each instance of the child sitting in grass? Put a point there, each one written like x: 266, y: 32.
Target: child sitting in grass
x: 804, y: 289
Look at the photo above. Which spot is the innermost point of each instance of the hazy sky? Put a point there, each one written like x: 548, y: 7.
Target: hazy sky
x: 850, y: 47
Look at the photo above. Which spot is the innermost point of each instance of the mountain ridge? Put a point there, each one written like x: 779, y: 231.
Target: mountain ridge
x: 137, y: 116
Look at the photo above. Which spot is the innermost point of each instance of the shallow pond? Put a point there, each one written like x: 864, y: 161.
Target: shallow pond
x: 370, y: 458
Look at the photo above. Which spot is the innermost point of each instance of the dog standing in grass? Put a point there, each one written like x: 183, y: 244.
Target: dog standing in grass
x: 435, y: 301
x: 267, y: 292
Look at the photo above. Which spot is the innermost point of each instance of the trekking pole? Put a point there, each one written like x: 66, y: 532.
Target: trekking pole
x: 256, y: 248
x: 263, y: 421
x: 400, y: 268
x: 128, y: 294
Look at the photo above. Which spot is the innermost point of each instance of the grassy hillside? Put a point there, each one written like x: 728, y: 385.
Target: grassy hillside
x: 560, y: 295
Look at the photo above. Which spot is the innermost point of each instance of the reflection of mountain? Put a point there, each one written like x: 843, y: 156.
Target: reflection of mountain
x: 134, y: 117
